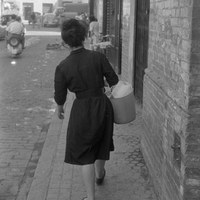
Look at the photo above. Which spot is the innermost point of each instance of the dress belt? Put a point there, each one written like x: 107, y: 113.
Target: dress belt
x: 89, y: 93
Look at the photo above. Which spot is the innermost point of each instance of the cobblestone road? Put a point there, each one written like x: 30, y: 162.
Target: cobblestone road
x: 26, y: 107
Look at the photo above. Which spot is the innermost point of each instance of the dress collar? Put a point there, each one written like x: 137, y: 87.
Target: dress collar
x: 77, y: 50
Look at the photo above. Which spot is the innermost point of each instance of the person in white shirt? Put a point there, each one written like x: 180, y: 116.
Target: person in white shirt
x: 15, y: 27
x: 93, y: 32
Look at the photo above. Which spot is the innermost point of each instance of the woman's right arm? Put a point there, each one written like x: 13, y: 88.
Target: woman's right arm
x: 109, y: 73
x: 60, y: 91
x: 60, y: 87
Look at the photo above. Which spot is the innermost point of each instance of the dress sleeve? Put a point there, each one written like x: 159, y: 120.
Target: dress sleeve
x: 90, y: 27
x: 108, y: 72
x: 60, y: 86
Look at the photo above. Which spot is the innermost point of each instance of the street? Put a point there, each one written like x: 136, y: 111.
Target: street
x: 33, y: 139
x: 26, y: 108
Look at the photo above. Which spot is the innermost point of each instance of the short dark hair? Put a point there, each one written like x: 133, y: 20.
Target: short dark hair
x: 13, y: 16
x: 18, y: 18
x: 73, y: 32
x: 92, y: 18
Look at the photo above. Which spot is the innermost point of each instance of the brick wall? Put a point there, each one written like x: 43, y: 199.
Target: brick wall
x: 192, y: 142
x: 171, y: 103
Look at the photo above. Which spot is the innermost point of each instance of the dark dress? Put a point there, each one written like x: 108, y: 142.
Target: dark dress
x: 90, y: 128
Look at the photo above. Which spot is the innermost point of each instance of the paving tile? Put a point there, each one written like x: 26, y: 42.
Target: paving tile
x: 126, y: 173
x: 53, y: 193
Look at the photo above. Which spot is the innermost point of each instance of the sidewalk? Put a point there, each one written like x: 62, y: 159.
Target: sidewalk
x: 126, y: 174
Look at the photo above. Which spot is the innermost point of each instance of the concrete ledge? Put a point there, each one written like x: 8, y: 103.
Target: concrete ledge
x: 127, y: 175
x: 44, y: 169
x: 42, y: 33
x: 40, y: 185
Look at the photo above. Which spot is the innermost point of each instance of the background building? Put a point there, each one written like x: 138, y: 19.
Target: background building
x: 8, y: 6
x: 60, y: 2
x: 41, y: 6
x: 25, y: 7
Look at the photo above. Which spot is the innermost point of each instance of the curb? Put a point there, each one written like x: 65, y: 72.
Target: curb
x: 127, y: 176
x: 43, y: 171
x: 42, y: 176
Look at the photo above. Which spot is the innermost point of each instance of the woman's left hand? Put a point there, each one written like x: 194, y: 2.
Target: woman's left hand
x: 60, y: 112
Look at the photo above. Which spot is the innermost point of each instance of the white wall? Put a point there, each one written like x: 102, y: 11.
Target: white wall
x: 37, y: 4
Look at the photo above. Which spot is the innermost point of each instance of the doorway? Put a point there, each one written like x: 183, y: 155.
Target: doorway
x: 141, y: 46
x: 112, y: 26
x: 27, y: 9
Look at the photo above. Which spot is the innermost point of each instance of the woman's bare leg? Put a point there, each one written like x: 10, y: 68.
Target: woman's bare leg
x: 99, y: 168
x: 88, y: 172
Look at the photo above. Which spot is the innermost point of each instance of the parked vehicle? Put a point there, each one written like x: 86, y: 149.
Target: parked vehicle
x: 50, y: 20
x: 67, y: 15
x: 14, y: 45
x: 2, y: 32
x: 58, y: 11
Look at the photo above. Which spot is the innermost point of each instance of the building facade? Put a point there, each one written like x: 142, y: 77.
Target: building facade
x: 155, y: 47
x: 60, y: 2
x: 25, y: 7
x: 41, y: 6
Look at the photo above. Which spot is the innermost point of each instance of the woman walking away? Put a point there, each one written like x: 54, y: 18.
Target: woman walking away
x: 90, y: 128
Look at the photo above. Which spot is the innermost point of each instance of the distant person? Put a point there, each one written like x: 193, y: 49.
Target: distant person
x: 42, y: 19
x: 94, y: 32
x: 33, y: 19
x: 16, y: 28
x: 39, y: 21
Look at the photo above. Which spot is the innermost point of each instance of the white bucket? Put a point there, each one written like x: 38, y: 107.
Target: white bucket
x: 124, y: 104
